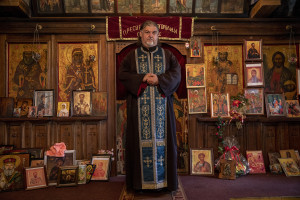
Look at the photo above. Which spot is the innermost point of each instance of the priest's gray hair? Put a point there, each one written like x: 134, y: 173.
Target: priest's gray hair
x: 145, y: 24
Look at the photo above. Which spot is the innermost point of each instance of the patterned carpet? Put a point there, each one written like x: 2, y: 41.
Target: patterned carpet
x: 131, y: 195
x: 267, y: 198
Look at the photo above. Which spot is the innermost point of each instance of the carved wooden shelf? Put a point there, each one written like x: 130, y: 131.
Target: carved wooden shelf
x: 253, y: 118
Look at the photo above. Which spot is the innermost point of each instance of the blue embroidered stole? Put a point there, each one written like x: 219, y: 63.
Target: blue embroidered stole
x: 152, y: 122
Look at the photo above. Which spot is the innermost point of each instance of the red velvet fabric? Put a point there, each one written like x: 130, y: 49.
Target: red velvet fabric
x: 181, y: 91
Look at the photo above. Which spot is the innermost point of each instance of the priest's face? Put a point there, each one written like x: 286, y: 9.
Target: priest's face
x: 149, y: 36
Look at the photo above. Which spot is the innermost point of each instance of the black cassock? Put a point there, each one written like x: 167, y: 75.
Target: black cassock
x: 168, y: 83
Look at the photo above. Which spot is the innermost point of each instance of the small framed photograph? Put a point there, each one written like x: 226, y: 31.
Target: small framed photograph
x: 67, y: 176
x: 201, y: 161
x: 253, y: 50
x: 35, y: 178
x: 17, y: 112
x: 37, y: 162
x: 273, y: 157
x: 289, y: 166
x: 255, y: 98
x: 197, y: 100
x: 256, y: 162
x: 195, y: 75
x: 81, y: 103
x: 6, y: 106
x: 227, y: 169
x: 23, y: 104
x: 195, y: 47
x: 32, y: 112
x: 254, y: 75
x: 99, y: 102
x: 44, y: 101
x: 81, y: 174
x: 219, y: 105
x: 70, y: 157
x: 275, y: 105
x: 63, y: 109
x: 90, y: 168
x: 102, y: 170
x: 292, y: 108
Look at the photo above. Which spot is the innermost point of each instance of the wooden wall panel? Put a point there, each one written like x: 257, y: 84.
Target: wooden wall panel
x: 15, y: 136
x: 27, y: 131
x: 66, y: 135
x: 41, y: 136
x: 91, y: 139
x: 294, y: 136
x: 79, y: 140
x: 3, y: 134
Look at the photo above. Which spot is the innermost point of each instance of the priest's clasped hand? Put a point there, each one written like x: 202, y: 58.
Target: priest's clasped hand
x: 151, y: 79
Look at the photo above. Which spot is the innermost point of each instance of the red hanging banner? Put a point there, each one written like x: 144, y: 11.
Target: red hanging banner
x: 170, y: 28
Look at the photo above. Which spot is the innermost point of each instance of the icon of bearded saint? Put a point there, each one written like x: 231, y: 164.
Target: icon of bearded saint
x: 10, y: 177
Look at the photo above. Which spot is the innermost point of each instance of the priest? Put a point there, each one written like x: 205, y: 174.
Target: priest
x: 150, y: 75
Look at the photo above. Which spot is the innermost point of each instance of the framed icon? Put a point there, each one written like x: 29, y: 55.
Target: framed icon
x: 81, y: 103
x: 255, y: 98
x: 275, y: 105
x: 201, y: 161
x: 195, y: 75
x: 254, y: 76
x: 253, y: 50
x: 35, y: 178
x: 44, y: 101
x: 219, y: 105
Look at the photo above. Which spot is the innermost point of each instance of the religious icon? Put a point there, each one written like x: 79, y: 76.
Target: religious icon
x: 254, y: 75
x: 201, y: 161
x: 11, y: 170
x: 224, y: 69
x: 275, y: 105
x: 197, y: 100
x: 195, y: 47
x: 219, y: 105
x: 256, y: 162
x: 63, y: 109
x: 280, y: 75
x: 255, y: 98
x: 81, y: 103
x: 181, y: 6
x: 49, y: 6
x: 253, y: 50
x: 195, y: 75
x: 44, y: 100
x: 232, y: 7
x: 78, y: 68
x: 129, y: 6
x: 74, y: 6
x: 102, y: 6
x: 99, y: 102
x: 24, y: 73
x: 156, y: 6
x: 102, y: 170
x: 67, y: 176
x: 206, y: 6
x: 35, y: 178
